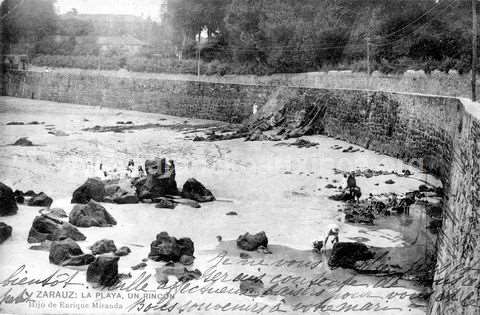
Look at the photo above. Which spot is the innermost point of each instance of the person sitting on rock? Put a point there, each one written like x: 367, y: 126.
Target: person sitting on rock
x: 353, y: 189
x: 141, y: 173
x: 333, y: 231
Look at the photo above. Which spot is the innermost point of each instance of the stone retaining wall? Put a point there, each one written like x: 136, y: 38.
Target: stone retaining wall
x: 435, y: 133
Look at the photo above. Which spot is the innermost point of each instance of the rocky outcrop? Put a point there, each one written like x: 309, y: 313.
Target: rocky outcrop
x: 68, y: 253
x: 91, y: 214
x: 345, y: 255
x: 8, y: 204
x: 103, y: 271
x: 160, y: 179
x: 93, y: 188
x: 103, y: 246
x: 40, y: 200
x: 47, y: 228
x: 5, y: 232
x: 167, y: 248
x: 252, y: 242
x: 193, y: 189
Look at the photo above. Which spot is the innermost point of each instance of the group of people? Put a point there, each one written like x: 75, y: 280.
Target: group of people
x: 130, y: 171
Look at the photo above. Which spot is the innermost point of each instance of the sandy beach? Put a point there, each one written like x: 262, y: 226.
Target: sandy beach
x: 278, y: 189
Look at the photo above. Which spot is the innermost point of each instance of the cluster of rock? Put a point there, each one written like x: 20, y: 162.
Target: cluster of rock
x: 48, y: 228
x: 30, y: 198
x: 252, y: 242
x: 347, y: 254
x: 158, y: 184
x: 168, y: 248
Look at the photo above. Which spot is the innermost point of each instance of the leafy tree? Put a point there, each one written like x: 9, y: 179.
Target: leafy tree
x: 28, y: 20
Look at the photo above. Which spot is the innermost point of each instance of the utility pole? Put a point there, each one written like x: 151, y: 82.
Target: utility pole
x: 474, y: 50
x: 368, y: 55
x: 198, y: 61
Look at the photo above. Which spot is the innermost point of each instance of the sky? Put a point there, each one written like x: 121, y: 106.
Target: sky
x: 146, y: 8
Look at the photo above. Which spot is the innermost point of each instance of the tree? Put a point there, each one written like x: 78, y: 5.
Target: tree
x: 27, y: 20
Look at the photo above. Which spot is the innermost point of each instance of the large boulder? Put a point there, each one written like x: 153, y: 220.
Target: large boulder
x: 346, y: 254
x: 160, y: 179
x: 91, y: 214
x: 68, y: 253
x: 103, y: 246
x: 193, y: 189
x: 167, y: 248
x: 93, y: 188
x: 40, y: 200
x: 103, y: 271
x: 5, y: 232
x: 252, y: 242
x: 8, y: 204
x: 48, y: 228
x: 120, y: 191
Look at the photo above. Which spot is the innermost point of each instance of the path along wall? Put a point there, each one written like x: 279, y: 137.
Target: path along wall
x: 436, y: 133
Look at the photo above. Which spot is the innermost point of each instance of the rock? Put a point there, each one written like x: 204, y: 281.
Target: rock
x: 264, y: 250
x: 91, y: 214
x: 15, y: 123
x: 186, y: 260
x: 245, y: 256
x: 193, y: 189
x: 139, y: 266
x: 47, y: 228
x: 330, y: 186
x: 123, y: 251
x: 252, y: 286
x: 29, y: 193
x: 60, y: 133
x: 164, y: 203
x: 389, y: 182
x: 120, y: 192
x: 54, y: 212
x: 8, y: 204
x: 166, y: 248
x: 5, y: 232
x: 23, y: 142
x: 188, y: 202
x: 40, y: 200
x: 20, y: 199
x: 251, y: 242
x: 160, y: 180
x: 103, y: 246
x: 68, y: 253
x: 103, y: 271
x: 343, y: 196
x: 232, y: 213
x: 423, y: 188
x: 345, y: 255
x: 302, y: 143
x: 93, y: 188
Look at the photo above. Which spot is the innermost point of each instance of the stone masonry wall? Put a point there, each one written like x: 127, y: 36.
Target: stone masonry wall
x: 432, y: 132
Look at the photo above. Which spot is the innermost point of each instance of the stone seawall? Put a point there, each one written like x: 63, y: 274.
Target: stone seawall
x: 435, y: 133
